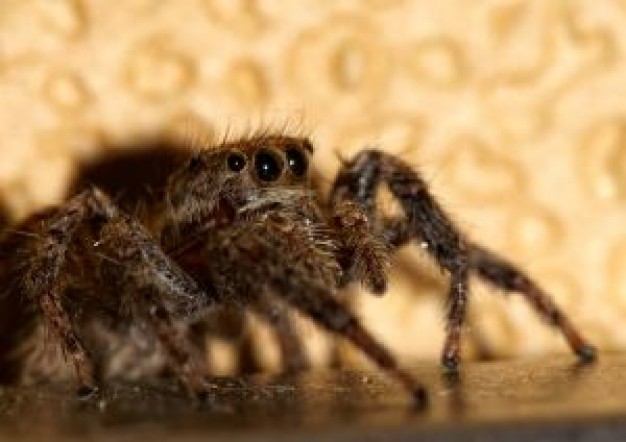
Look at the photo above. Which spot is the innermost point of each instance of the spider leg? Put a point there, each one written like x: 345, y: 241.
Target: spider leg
x: 503, y: 274
x: 424, y: 220
x: 292, y: 352
x: 186, y: 360
x: 58, y: 319
x: 320, y: 306
x: 364, y: 255
x: 359, y: 180
x: 42, y: 283
x: 266, y: 253
x: 142, y: 264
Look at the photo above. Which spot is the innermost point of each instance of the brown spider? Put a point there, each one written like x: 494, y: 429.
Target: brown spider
x: 237, y: 224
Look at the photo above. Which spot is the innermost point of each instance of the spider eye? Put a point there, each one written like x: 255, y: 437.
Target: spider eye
x: 196, y: 164
x: 236, y: 162
x: 297, y: 161
x: 268, y: 165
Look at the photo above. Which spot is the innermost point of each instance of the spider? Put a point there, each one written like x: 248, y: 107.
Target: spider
x: 240, y: 223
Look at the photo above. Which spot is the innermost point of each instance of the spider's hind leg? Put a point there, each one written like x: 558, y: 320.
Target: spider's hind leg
x: 503, y: 274
x: 358, y: 181
x: 424, y: 220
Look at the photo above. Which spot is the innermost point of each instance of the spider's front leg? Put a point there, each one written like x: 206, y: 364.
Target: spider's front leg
x: 278, y: 257
x: 424, y: 220
x: 320, y: 305
x: 186, y: 358
x: 144, y: 268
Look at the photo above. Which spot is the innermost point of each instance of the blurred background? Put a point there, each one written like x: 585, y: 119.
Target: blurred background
x: 513, y: 110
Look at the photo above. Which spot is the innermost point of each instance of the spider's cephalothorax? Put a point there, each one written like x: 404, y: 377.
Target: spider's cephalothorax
x: 237, y: 224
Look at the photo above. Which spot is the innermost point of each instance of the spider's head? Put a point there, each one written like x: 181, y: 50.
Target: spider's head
x: 237, y: 173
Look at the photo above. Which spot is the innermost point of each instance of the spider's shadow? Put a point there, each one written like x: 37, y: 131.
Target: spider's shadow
x: 131, y: 172
x: 4, y: 215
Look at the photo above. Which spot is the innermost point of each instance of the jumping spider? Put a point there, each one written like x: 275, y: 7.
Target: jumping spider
x: 241, y: 223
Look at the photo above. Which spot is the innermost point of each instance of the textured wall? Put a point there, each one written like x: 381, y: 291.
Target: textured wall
x: 514, y: 111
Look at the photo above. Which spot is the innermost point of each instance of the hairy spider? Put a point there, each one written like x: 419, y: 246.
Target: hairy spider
x: 236, y: 224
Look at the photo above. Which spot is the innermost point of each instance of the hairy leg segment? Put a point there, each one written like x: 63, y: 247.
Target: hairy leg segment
x: 425, y: 221
x: 150, y: 278
x: 261, y: 251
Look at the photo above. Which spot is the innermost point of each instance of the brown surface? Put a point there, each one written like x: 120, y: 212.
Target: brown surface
x: 513, y: 109
x: 507, y: 400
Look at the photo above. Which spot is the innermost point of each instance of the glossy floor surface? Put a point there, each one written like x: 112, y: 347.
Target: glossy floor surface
x: 516, y: 400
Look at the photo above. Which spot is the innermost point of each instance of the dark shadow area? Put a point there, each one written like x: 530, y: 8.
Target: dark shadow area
x: 132, y: 172
x: 5, y: 217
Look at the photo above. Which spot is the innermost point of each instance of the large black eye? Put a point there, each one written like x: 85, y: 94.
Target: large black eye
x: 236, y: 162
x: 268, y: 165
x: 297, y: 161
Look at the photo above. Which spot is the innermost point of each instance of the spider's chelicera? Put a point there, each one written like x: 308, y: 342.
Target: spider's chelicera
x: 240, y: 223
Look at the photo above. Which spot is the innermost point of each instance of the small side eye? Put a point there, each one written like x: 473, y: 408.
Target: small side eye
x: 236, y: 162
x: 196, y: 164
x: 297, y: 161
x: 268, y: 165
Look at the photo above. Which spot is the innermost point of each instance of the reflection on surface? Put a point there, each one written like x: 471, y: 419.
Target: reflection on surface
x: 344, y: 404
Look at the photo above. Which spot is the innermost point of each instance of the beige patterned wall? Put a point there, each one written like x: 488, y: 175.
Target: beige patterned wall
x: 514, y: 110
